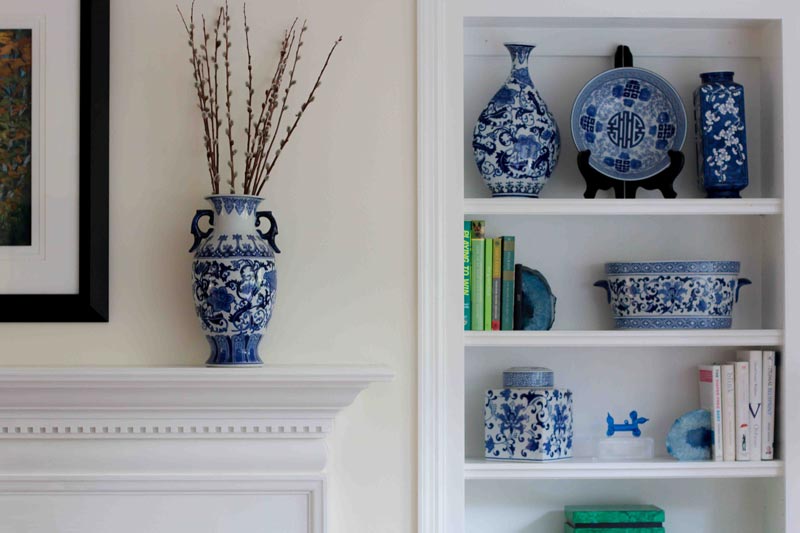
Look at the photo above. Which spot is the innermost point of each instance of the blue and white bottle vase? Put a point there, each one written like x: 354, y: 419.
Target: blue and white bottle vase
x: 721, y: 135
x: 516, y: 140
x: 234, y: 278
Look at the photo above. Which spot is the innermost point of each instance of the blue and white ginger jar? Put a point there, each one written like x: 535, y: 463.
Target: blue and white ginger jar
x: 516, y: 140
x: 233, y: 277
x: 528, y: 424
x: 721, y: 135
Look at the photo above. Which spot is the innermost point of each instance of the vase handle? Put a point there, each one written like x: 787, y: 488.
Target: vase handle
x: 603, y: 284
x: 199, y: 234
x: 273, y: 229
x: 741, y: 282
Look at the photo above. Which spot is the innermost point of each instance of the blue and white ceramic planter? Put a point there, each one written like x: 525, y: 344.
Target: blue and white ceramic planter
x: 516, y: 140
x: 721, y: 135
x: 234, y: 278
x: 673, y: 294
x: 528, y: 424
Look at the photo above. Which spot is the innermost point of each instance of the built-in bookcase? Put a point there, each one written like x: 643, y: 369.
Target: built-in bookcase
x: 568, y: 239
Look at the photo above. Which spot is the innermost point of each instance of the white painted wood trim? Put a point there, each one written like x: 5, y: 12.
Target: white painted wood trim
x: 613, y: 207
x: 174, y: 430
x: 480, y: 469
x: 626, y: 338
x: 432, y: 386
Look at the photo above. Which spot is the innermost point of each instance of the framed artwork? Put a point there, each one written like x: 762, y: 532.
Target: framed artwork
x: 54, y: 90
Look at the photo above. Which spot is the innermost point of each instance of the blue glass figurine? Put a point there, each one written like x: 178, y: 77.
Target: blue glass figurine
x: 632, y: 426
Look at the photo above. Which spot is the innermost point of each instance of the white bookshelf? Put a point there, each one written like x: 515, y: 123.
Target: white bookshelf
x: 569, y: 238
x: 586, y: 468
x: 629, y: 338
x: 613, y: 207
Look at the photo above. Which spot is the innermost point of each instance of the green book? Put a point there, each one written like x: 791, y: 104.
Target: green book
x: 476, y: 283
x: 617, y: 515
x: 507, y: 304
x: 487, y: 285
x: 497, y: 284
x: 568, y: 528
x: 467, y: 274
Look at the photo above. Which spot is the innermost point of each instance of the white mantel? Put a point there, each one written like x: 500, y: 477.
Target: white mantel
x: 171, y: 433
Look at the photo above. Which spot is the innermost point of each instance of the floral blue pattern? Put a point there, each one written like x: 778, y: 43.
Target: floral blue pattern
x: 721, y: 135
x: 234, y: 281
x: 528, y: 424
x: 516, y: 140
x: 629, y: 118
x: 673, y: 294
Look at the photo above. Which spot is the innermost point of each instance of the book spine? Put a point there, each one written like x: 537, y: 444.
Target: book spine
x: 507, y: 306
x: 768, y: 406
x: 517, y: 296
x: 467, y: 274
x: 487, y: 284
x: 497, y: 281
x: 711, y: 401
x: 741, y: 372
x: 476, y: 283
x: 754, y: 358
x: 728, y: 413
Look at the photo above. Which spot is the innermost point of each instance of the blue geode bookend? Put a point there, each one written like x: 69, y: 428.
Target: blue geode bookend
x: 721, y: 135
x: 691, y: 436
x: 528, y: 424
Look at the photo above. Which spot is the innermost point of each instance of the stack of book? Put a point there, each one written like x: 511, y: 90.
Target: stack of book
x: 740, y: 395
x: 488, y: 279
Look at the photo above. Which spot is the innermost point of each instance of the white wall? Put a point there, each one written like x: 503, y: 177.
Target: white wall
x: 343, y: 194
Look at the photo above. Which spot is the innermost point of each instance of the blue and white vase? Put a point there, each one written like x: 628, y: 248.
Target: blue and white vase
x: 516, y: 140
x: 233, y: 277
x: 721, y: 135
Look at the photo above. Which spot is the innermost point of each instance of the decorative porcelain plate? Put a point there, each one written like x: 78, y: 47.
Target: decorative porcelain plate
x: 629, y: 118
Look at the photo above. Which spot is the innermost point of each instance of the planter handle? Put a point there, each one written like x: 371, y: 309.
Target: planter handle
x: 741, y: 282
x: 603, y: 284
x: 273, y: 229
x: 199, y: 234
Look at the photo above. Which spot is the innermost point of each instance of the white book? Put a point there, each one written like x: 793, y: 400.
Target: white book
x: 741, y: 372
x: 754, y: 358
x: 768, y: 406
x: 728, y: 413
x: 711, y: 400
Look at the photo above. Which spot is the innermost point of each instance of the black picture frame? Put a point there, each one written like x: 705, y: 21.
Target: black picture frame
x: 90, y: 304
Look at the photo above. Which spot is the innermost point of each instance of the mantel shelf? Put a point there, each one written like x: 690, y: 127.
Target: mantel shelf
x: 580, y: 206
x: 189, y: 402
x: 625, y: 338
x: 587, y: 468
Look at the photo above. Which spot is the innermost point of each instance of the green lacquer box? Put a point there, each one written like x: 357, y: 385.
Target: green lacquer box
x: 614, y: 518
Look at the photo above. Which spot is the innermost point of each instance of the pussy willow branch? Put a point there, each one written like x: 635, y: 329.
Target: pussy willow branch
x: 262, y: 133
x: 200, y: 87
x: 271, y: 103
x: 299, y: 114
x: 250, y: 128
x: 229, y: 93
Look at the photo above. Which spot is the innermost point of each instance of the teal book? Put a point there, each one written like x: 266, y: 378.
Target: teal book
x: 507, y: 304
x: 476, y: 283
x: 467, y: 274
x: 487, y: 285
x: 497, y: 281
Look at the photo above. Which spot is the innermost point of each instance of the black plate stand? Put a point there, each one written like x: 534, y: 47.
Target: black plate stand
x: 597, y: 181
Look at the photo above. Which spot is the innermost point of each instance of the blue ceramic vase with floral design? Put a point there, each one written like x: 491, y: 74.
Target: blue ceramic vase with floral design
x: 516, y: 140
x: 233, y: 277
x: 720, y: 135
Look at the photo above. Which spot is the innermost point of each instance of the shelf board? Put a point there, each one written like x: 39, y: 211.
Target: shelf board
x: 625, y: 338
x: 604, y: 206
x: 587, y: 468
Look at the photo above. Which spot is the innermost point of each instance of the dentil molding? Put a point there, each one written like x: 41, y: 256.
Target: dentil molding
x: 95, y: 421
